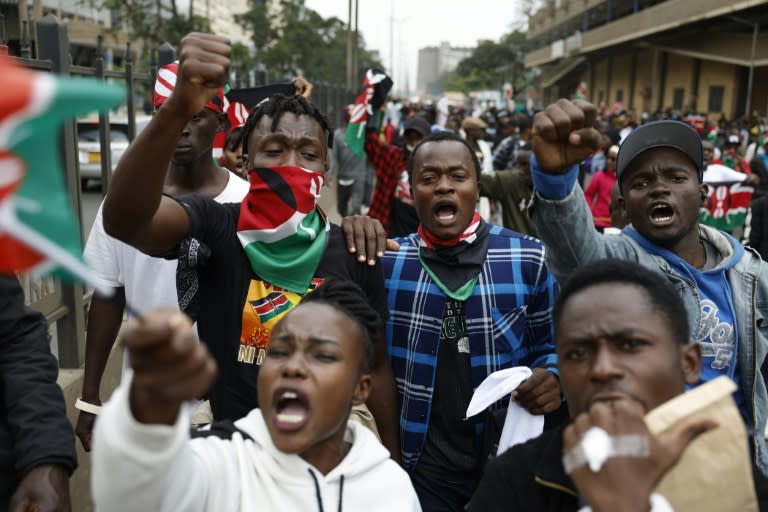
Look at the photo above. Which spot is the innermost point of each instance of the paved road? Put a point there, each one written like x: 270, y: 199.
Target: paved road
x: 91, y: 199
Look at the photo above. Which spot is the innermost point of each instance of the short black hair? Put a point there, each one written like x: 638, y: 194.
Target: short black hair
x: 442, y: 136
x: 277, y: 105
x: 661, y: 293
x: 348, y: 298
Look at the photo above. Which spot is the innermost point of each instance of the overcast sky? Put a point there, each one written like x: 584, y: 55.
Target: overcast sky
x: 421, y: 23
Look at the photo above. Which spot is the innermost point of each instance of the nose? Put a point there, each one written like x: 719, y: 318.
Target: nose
x: 444, y: 184
x: 290, y: 157
x: 606, y: 366
x: 294, y: 366
x: 658, y: 186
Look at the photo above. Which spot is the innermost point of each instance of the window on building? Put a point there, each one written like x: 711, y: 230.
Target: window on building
x: 716, y: 93
x: 620, y: 95
x: 678, y: 93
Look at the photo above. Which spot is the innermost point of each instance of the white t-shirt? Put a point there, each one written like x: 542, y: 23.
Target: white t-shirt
x: 149, y: 282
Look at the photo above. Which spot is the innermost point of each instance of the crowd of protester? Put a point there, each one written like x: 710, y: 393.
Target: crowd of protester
x: 525, y: 291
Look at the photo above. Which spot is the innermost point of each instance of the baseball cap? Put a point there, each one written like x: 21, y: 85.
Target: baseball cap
x: 669, y: 134
x: 417, y: 124
x: 732, y: 139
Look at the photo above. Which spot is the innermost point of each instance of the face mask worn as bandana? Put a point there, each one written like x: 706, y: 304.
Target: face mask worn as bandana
x: 282, y: 230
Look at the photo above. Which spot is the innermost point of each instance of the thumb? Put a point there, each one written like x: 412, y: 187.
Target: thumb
x: 392, y: 245
x: 676, y: 440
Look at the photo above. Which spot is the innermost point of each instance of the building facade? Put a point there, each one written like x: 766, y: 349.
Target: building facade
x: 433, y: 62
x: 647, y: 56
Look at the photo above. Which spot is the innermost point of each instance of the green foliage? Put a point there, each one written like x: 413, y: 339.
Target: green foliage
x: 299, y: 40
x: 489, y: 66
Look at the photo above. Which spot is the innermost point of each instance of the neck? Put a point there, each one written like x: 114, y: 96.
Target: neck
x: 690, y: 249
x: 328, y: 454
x: 192, y: 176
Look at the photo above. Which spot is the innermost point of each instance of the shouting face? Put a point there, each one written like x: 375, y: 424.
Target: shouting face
x: 311, y: 377
x: 662, y: 196
x: 445, y: 187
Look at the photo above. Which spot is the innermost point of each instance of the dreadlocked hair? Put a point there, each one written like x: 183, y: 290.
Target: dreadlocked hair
x: 348, y: 298
x: 277, y: 105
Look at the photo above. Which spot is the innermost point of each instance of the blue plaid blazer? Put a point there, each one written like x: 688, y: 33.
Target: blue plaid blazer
x: 509, y: 323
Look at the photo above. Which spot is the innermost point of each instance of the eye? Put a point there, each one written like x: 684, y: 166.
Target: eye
x: 460, y: 176
x: 326, y: 357
x: 276, y: 352
x: 427, y: 178
x: 575, y: 354
x: 273, y: 151
x: 632, y: 344
x: 309, y: 155
x: 679, y: 179
x: 196, y: 117
x: 639, y: 184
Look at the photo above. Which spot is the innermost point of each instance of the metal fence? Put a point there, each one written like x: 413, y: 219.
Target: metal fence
x: 65, y: 304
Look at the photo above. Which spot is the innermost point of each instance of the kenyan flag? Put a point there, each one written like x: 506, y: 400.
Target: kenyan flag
x: 38, y: 231
x: 376, y: 86
x: 281, y: 229
x: 726, y: 205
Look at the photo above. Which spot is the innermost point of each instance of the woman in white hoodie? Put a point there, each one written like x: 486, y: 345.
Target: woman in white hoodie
x: 296, y: 453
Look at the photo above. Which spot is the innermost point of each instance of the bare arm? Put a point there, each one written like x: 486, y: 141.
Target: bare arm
x: 383, y: 400
x: 135, y: 210
x: 104, y: 319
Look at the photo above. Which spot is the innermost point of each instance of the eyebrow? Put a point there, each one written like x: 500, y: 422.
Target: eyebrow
x: 281, y: 137
x: 623, y: 333
x: 429, y: 167
x: 315, y: 340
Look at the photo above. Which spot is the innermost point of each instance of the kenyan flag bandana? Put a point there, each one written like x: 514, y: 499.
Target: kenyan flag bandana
x: 454, y: 265
x: 282, y: 230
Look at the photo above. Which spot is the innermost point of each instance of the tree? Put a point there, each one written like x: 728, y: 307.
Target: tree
x: 489, y: 66
x: 297, y: 40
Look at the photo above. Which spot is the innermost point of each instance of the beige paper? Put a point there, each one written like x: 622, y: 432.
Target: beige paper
x: 714, y: 473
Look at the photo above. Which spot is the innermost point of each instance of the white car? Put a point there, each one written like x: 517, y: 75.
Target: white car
x: 89, y: 148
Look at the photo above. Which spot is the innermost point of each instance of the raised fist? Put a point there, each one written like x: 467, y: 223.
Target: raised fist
x: 563, y: 135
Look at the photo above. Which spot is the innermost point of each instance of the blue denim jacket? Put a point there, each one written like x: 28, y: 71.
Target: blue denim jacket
x: 565, y: 227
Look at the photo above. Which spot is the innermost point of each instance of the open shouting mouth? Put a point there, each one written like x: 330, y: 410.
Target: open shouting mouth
x: 290, y: 409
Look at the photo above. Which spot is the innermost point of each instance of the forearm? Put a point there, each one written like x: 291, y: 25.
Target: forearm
x: 137, y: 184
x: 383, y: 405
x: 104, y: 320
x: 383, y: 400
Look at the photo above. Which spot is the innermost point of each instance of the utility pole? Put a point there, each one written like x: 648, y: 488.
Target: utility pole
x: 392, y: 39
x: 350, y: 85
x: 356, y: 51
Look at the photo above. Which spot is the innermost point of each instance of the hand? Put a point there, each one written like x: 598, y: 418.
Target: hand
x: 43, y: 489
x: 626, y: 483
x: 203, y: 68
x: 169, y: 365
x: 539, y: 393
x: 84, y: 428
x: 753, y: 180
x: 368, y: 234
x: 303, y: 87
x: 563, y: 135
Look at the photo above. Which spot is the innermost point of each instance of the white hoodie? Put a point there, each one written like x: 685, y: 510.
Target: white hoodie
x: 156, y: 468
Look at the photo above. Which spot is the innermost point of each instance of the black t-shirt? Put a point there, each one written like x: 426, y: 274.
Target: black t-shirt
x: 238, y: 310
x: 451, y: 449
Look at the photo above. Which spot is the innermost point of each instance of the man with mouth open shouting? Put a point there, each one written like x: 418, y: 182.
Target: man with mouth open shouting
x: 296, y: 453
x: 264, y: 254
x: 724, y: 285
x: 466, y: 299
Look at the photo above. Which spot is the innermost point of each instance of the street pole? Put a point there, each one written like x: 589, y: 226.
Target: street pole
x: 748, y: 110
x: 356, y: 50
x: 350, y: 85
x: 392, y: 39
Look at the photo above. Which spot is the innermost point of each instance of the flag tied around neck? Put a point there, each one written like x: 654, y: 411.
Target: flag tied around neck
x: 376, y: 86
x: 38, y: 231
x: 282, y: 230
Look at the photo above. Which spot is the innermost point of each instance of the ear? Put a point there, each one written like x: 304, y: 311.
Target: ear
x: 622, y: 207
x: 690, y: 359
x: 362, y: 389
x: 704, y: 191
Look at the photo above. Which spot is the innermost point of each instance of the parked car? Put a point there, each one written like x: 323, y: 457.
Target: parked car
x: 89, y: 148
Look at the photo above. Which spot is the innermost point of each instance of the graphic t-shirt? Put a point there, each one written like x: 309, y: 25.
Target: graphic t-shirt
x: 716, y: 333
x: 450, y: 450
x: 238, y: 309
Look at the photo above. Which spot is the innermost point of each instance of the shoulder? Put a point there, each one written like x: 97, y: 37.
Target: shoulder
x: 500, y: 236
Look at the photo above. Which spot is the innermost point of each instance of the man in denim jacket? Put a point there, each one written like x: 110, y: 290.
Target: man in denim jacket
x: 724, y: 285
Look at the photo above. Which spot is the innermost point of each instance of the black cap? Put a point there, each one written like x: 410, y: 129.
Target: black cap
x: 417, y: 124
x: 666, y: 134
